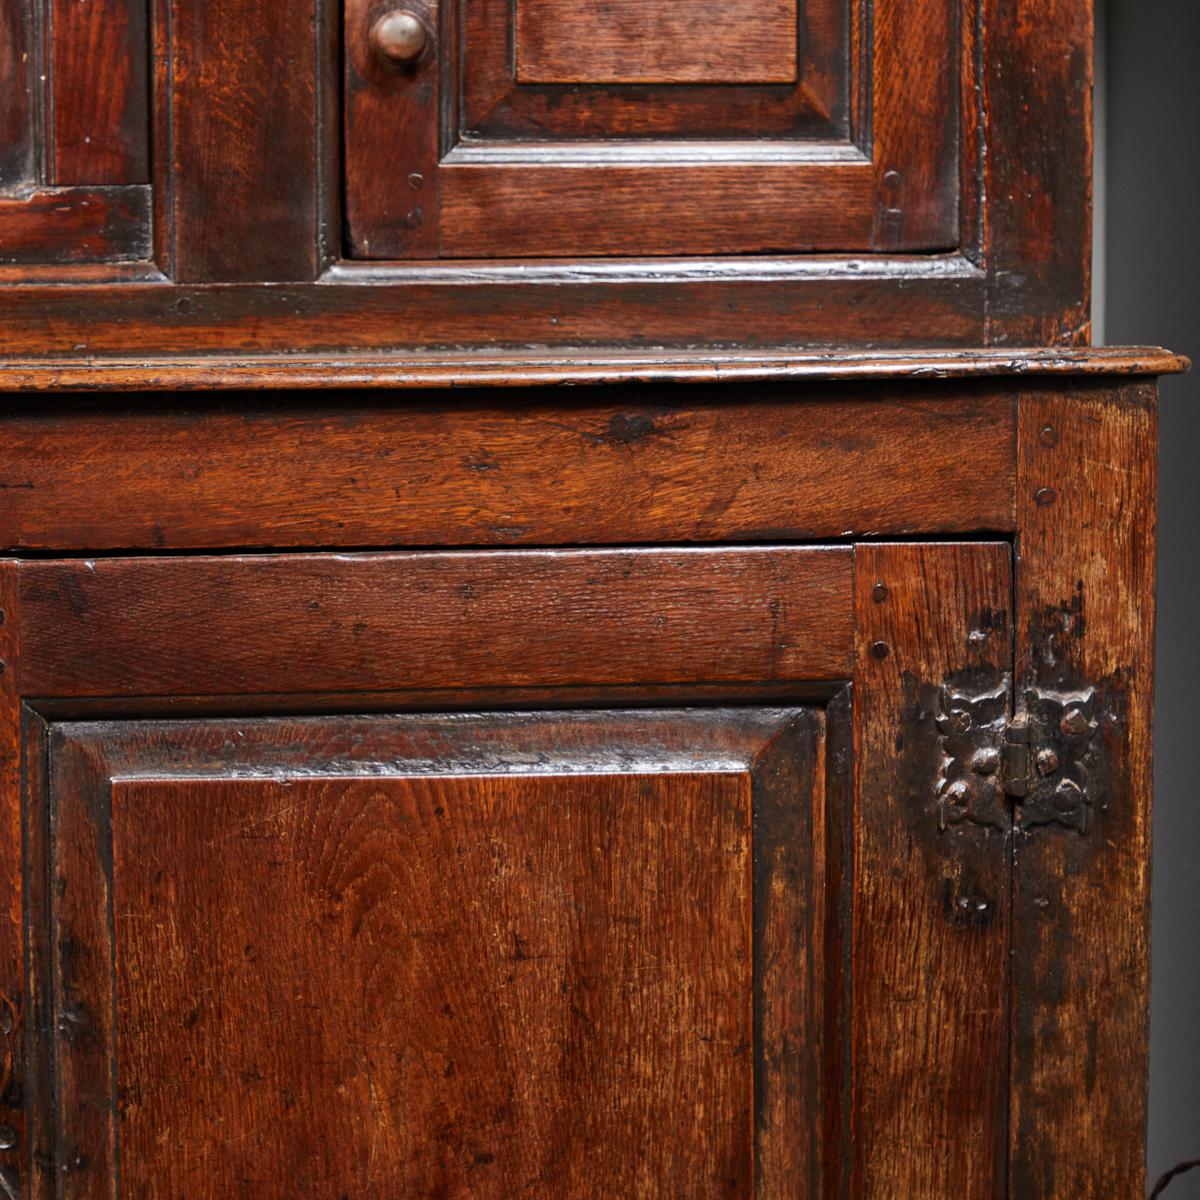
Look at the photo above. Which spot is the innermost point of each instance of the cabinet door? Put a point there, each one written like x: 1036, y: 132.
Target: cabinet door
x: 74, y: 131
x: 484, y: 128
x: 560, y: 874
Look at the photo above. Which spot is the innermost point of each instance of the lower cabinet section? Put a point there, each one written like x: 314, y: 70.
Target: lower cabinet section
x: 685, y: 868
x: 561, y: 954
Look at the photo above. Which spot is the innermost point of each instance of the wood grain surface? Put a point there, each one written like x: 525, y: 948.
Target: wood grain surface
x: 99, y: 62
x: 12, y: 911
x: 365, y: 622
x: 628, y: 467
x: 593, y: 366
x: 76, y: 224
x: 1085, y: 594
x: 526, y: 952
x: 656, y: 42
x: 240, y: 91
x: 931, y: 906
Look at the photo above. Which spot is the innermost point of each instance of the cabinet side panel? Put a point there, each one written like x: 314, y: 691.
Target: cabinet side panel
x: 1038, y: 171
x: 1085, y: 604
x: 930, y: 896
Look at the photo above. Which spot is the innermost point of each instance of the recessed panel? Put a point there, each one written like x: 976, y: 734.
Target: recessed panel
x: 554, y: 955
x: 483, y: 986
x: 656, y: 41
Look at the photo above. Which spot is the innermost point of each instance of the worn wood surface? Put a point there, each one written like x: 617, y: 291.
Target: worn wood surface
x: 495, y: 106
x: 538, y: 1045
x: 13, y: 1030
x: 688, y: 467
x: 361, y: 623
x: 76, y: 224
x: 99, y: 54
x: 393, y: 139
x: 602, y: 186
x: 718, y: 303
x: 655, y: 42
x: 18, y: 148
x: 240, y: 87
x: 249, y: 181
x: 1038, y: 73
x: 914, y: 123
x: 653, y: 208
x: 931, y: 906
x: 580, y: 366
x: 1085, y: 597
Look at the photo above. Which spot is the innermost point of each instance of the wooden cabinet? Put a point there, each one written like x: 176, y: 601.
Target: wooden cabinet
x: 423, y: 775
x: 676, y: 789
x: 231, y: 177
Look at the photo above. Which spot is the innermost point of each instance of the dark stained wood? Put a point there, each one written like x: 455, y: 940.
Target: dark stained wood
x: 597, y: 181
x: 12, y: 915
x: 685, y: 468
x: 362, y: 623
x: 1085, y: 596
x: 640, y: 208
x: 628, y: 41
x: 76, y: 224
x: 18, y: 151
x: 248, y: 184
x: 931, y: 906
x: 1038, y: 170
x: 537, y: 1044
x: 333, y: 373
x: 914, y: 124
x: 99, y: 62
x: 240, y: 87
x: 710, y: 304
x: 393, y: 140
x: 497, y: 107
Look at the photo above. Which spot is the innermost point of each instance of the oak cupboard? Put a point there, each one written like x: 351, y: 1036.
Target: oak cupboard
x: 576, y: 610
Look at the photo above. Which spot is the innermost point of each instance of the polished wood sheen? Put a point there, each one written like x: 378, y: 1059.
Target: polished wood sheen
x: 562, y: 954
x: 772, y: 178
x: 694, y: 915
x: 740, y: 41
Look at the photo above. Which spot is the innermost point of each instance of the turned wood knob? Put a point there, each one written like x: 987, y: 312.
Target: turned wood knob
x: 400, y: 36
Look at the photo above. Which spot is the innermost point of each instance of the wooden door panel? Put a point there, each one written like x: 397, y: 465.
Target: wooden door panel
x: 564, y: 128
x: 568, y: 955
x: 768, y: 810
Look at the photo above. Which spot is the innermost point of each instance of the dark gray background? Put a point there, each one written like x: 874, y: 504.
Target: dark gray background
x: 1148, y: 292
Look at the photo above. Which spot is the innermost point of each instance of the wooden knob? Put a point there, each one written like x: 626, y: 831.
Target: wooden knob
x: 400, y: 36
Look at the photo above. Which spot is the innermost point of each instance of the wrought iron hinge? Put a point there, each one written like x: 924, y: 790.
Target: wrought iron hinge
x: 1049, y: 758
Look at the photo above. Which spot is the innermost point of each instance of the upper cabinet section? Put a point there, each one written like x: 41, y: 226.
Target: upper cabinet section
x: 74, y: 131
x: 186, y: 176
x: 557, y: 128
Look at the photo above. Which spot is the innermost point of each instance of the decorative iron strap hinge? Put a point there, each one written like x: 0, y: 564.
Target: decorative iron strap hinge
x: 1048, y: 758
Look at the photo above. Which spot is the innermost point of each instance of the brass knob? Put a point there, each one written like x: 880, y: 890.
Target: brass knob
x: 400, y: 36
